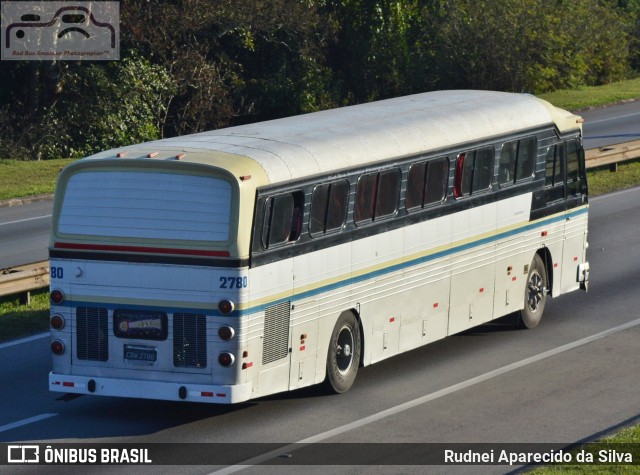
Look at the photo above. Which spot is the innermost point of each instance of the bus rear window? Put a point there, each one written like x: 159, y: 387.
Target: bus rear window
x: 148, y: 205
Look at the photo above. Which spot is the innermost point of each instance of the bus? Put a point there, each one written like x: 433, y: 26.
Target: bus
x: 233, y: 264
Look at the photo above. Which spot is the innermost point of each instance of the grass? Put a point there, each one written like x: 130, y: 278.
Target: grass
x: 602, y: 181
x: 626, y: 440
x: 594, y: 96
x: 24, y: 178
x: 18, y: 320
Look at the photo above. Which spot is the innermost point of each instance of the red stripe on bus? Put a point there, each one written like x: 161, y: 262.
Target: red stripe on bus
x: 149, y: 250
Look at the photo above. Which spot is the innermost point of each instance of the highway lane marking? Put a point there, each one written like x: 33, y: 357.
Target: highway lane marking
x: 424, y: 399
x: 23, y: 340
x: 611, y: 118
x: 25, y: 220
x: 28, y: 421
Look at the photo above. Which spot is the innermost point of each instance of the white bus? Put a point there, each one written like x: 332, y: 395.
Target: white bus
x: 228, y: 265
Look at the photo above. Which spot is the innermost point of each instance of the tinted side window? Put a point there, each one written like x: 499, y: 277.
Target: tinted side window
x: 414, y: 197
x: 376, y: 196
x: 464, y: 170
x: 365, y: 198
x: 388, y: 193
x: 482, y: 169
x: 526, y: 158
x: 329, y: 205
x: 517, y: 160
x: 437, y: 181
x: 507, y: 165
x: 574, y: 171
x: 474, y: 171
x: 282, y: 219
x: 554, y: 166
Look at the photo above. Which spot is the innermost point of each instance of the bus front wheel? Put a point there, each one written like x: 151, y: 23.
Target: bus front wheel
x: 343, y: 357
x: 535, y: 296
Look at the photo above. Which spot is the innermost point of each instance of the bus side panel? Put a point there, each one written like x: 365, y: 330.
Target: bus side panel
x: 427, y: 283
x: 378, y: 287
x: 472, y: 267
x: 322, y: 292
x: 275, y: 284
x: 515, y: 248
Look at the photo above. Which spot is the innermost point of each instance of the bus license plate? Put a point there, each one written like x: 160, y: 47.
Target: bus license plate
x: 140, y: 354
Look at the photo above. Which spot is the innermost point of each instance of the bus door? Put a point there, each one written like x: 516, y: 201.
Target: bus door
x: 573, y: 255
x: 562, y: 197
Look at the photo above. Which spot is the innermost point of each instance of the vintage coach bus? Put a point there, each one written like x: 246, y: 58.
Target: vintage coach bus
x: 228, y: 265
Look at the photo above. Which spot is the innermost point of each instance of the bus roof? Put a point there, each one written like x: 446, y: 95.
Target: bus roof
x: 326, y: 141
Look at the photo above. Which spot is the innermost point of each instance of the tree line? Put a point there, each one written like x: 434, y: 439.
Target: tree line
x: 193, y: 65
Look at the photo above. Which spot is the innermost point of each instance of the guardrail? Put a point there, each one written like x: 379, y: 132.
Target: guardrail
x: 26, y: 278
x: 612, y: 155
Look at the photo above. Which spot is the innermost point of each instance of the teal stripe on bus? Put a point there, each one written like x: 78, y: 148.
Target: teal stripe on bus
x: 348, y: 281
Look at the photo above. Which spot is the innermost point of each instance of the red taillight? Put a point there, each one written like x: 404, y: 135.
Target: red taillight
x: 57, y: 347
x: 57, y: 296
x: 57, y: 322
x: 225, y: 306
x: 226, y: 333
x: 226, y: 359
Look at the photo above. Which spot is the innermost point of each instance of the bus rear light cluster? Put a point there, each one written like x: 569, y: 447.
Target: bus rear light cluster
x: 226, y: 359
x: 57, y: 296
x: 57, y: 322
x: 57, y: 347
x: 226, y: 333
x: 225, y: 306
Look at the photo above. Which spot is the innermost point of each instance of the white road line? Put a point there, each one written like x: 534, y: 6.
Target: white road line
x: 25, y: 220
x: 25, y: 422
x: 23, y: 340
x: 426, y: 398
x: 612, y: 118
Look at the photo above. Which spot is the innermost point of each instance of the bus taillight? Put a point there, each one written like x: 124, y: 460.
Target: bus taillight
x: 57, y: 347
x: 226, y: 333
x: 57, y: 322
x: 225, y: 306
x: 226, y: 359
x: 57, y: 296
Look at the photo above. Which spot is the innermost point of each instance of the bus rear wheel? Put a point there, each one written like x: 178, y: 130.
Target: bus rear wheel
x: 535, y: 296
x: 343, y: 357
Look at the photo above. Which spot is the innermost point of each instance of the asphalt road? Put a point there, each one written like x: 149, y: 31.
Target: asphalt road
x: 611, y: 125
x: 572, y: 378
x: 24, y: 233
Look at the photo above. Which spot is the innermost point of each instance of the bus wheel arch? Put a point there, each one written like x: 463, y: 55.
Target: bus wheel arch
x: 536, y: 292
x: 344, y: 354
x: 545, y: 255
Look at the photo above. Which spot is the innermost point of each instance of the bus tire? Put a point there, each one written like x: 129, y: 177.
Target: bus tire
x: 343, y: 357
x: 535, y: 296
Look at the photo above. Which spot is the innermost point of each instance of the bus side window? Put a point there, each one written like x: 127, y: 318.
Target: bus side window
x: 507, y: 164
x: 554, y: 168
x: 377, y: 196
x: 575, y: 167
x: 329, y: 204
x: 526, y: 158
x: 483, y: 169
x: 474, y: 171
x: 427, y: 183
x: 437, y: 181
x: 282, y: 219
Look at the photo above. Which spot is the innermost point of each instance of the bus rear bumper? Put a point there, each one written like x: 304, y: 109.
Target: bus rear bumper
x: 99, y: 386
